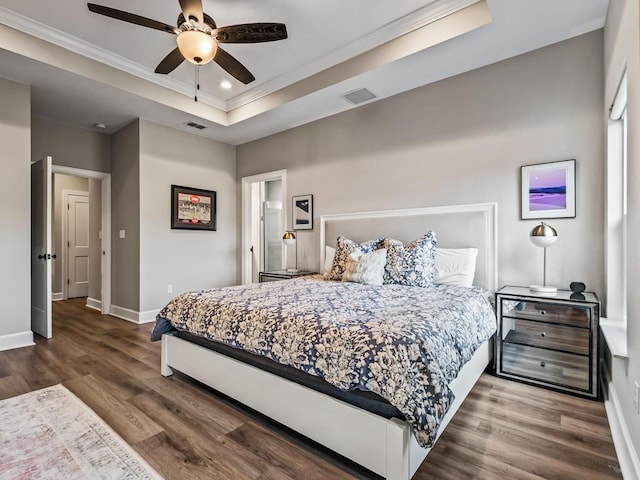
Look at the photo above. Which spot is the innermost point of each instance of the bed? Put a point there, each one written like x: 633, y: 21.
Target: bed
x: 389, y: 444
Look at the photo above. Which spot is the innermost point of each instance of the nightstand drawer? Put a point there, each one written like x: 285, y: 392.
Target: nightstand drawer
x: 546, y: 335
x: 270, y: 278
x: 546, y: 366
x: 547, y: 312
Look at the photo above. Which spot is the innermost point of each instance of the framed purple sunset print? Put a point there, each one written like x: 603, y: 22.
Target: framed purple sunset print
x: 549, y: 190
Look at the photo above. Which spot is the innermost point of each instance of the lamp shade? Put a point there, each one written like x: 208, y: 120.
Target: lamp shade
x: 196, y: 46
x: 289, y: 238
x: 543, y: 235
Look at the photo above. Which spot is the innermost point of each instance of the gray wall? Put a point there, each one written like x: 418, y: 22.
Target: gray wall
x: 188, y: 260
x: 15, y: 208
x: 60, y: 183
x: 95, y: 226
x: 70, y: 146
x: 463, y: 140
x: 125, y: 215
x: 622, y: 48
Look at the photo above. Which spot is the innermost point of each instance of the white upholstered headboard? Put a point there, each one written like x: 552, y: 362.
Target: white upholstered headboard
x: 456, y: 226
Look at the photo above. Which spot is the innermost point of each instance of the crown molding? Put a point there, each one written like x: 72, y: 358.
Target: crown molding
x: 61, y: 39
x: 410, y: 22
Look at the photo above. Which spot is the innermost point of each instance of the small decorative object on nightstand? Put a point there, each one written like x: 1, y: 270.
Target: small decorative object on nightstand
x: 282, y: 275
x: 548, y: 340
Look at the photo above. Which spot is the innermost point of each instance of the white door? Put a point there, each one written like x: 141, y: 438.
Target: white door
x: 78, y: 245
x: 41, y: 247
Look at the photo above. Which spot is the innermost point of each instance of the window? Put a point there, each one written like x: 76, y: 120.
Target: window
x: 616, y: 209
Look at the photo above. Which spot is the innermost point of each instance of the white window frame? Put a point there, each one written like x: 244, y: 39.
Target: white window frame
x: 616, y: 208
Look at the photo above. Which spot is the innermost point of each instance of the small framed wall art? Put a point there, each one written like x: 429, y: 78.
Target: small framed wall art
x: 303, y: 212
x: 549, y: 190
x: 193, y: 208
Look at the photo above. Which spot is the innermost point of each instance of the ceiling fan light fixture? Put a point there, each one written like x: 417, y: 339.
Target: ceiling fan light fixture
x: 197, y: 47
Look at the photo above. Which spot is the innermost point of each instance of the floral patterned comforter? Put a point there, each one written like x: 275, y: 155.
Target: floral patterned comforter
x: 404, y: 343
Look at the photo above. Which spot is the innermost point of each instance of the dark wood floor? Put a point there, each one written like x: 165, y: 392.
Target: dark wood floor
x: 504, y: 430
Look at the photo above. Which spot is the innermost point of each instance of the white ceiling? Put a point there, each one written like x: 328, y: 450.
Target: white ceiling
x: 297, y: 79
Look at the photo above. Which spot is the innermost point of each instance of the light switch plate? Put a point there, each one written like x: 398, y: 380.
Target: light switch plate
x: 122, y: 234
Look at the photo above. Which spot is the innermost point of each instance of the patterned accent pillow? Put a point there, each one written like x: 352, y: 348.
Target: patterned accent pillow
x: 365, y: 268
x: 411, y: 264
x: 344, y: 248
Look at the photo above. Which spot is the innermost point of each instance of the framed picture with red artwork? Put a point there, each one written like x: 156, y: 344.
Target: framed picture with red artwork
x: 193, y: 208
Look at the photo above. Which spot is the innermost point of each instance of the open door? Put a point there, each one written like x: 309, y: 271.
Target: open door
x: 41, y: 247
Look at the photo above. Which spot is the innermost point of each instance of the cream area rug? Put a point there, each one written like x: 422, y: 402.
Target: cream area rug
x: 51, y: 434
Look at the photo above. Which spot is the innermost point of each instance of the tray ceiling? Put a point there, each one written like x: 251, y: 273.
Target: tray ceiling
x: 334, y: 47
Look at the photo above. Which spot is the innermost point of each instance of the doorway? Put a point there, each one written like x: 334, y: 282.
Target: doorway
x: 263, y: 224
x: 86, y: 262
x: 44, y: 257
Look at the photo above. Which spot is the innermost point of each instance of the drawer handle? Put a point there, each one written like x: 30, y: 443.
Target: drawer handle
x: 543, y: 334
x: 542, y: 312
x: 542, y: 364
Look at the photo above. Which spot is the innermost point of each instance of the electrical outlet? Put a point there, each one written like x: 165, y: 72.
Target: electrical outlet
x: 169, y: 288
x: 636, y: 391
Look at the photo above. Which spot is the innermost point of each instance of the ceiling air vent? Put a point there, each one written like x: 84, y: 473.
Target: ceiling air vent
x: 195, y: 125
x: 359, y: 96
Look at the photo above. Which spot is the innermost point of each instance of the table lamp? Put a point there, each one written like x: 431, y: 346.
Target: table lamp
x: 289, y: 239
x: 544, y: 236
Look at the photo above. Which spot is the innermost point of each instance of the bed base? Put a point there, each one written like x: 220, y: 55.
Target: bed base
x: 384, y: 446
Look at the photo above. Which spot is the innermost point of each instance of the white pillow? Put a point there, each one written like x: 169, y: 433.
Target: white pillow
x: 329, y: 253
x: 456, y: 266
x: 365, y: 268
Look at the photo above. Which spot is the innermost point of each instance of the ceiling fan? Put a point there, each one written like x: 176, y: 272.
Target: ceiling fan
x: 198, y: 37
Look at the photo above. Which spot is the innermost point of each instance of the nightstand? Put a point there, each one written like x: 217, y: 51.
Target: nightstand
x: 282, y: 275
x: 548, y: 340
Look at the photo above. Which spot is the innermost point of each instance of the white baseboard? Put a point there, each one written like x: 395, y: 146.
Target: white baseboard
x: 133, y: 316
x: 627, y: 454
x: 94, y: 304
x: 57, y: 296
x: 148, y: 316
x: 16, y: 340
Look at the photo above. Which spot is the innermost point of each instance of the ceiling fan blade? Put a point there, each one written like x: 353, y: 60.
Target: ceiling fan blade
x: 170, y: 62
x: 130, y: 18
x: 233, y: 66
x: 251, y: 33
x: 192, y: 9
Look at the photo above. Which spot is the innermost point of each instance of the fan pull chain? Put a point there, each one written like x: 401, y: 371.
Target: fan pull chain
x: 197, y: 82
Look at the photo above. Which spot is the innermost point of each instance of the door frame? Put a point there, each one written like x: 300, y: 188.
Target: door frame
x: 245, y: 242
x: 105, y: 261
x: 65, y: 228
